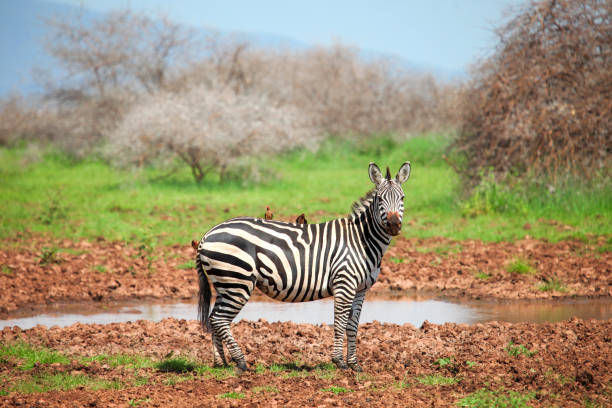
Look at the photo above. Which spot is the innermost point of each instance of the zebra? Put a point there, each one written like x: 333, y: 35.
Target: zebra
x: 295, y: 262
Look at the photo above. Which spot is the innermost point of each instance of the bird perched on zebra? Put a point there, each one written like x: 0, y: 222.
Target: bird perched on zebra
x: 299, y: 263
x: 268, y: 215
x: 301, y: 219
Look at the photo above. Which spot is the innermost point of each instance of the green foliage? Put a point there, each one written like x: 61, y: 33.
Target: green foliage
x: 491, y: 197
x: 135, y: 403
x: 232, y: 395
x: 336, y: 390
x: 484, y: 398
x: 481, y: 275
x: 188, y: 265
x: 6, y: 270
x: 552, y: 284
x: 437, y: 379
x: 218, y: 373
x: 471, y: 364
x: 443, y: 362
x: 30, y: 356
x: 264, y: 389
x: 518, y: 349
x: 520, y: 266
x: 49, y: 256
x: 176, y: 365
x: 123, y: 360
x: 60, y: 381
x: 175, y: 379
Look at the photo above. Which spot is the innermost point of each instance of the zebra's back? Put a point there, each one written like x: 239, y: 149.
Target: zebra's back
x: 287, y: 261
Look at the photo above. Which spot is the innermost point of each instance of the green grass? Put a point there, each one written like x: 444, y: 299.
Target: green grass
x: 264, y: 389
x: 481, y: 276
x: 336, y: 390
x: 89, y: 198
x: 232, y: 395
x: 188, y: 265
x: 436, y: 379
x: 124, y: 360
x: 176, y: 365
x: 28, y: 356
x: 518, y: 349
x: 60, y: 381
x: 521, y: 266
x: 484, y: 398
x: 552, y: 284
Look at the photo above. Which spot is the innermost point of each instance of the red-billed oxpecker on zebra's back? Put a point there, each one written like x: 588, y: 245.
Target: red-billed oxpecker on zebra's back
x: 295, y: 262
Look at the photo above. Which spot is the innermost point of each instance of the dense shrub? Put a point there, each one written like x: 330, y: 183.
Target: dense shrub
x: 541, y: 104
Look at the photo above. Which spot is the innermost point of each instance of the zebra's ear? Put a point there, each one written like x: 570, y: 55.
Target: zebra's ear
x: 375, y: 174
x: 403, y: 173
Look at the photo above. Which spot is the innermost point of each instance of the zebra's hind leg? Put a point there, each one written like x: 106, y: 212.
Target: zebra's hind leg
x: 351, y: 332
x: 225, y: 310
x: 218, y: 354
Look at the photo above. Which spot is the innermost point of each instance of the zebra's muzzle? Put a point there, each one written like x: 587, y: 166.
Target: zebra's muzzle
x: 394, y: 222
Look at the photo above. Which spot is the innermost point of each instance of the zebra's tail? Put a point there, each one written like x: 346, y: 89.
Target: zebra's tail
x: 204, y: 296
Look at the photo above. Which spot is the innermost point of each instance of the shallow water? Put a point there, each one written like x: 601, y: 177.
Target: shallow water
x: 408, y: 309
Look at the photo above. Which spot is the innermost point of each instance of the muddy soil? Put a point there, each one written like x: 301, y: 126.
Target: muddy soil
x: 558, y: 364
x: 40, y: 271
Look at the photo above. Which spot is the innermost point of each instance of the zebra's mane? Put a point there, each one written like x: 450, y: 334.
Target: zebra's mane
x: 361, y: 205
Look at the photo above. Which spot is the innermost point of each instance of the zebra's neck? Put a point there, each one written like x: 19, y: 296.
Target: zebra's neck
x: 368, y: 225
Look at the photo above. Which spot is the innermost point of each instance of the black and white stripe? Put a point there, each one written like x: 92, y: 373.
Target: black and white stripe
x: 300, y: 262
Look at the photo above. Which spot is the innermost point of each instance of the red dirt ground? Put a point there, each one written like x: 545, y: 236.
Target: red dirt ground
x: 108, y: 271
x: 569, y: 367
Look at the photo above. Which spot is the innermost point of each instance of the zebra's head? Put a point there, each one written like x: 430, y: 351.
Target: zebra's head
x: 390, y: 196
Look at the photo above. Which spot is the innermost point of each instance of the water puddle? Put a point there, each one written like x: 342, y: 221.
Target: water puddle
x: 399, y: 310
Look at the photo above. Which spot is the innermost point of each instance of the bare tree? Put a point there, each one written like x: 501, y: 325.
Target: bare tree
x: 209, y: 128
x: 119, y: 49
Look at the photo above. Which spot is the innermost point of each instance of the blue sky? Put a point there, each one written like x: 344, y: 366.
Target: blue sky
x: 446, y: 35
x: 440, y: 36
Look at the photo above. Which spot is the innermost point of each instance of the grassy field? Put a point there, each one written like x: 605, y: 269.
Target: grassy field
x: 90, y: 199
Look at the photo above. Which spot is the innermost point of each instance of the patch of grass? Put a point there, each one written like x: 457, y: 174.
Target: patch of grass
x: 49, y: 256
x: 232, y: 395
x: 397, y: 259
x: 471, y: 364
x: 481, y: 275
x: 100, y: 268
x: 176, y: 365
x: 264, y: 389
x: 518, y: 349
x: 6, y: 270
x: 218, y: 373
x: 125, y: 360
x: 552, y: 284
x: 559, y: 378
x: 140, y: 381
x: 335, y: 390
x: 485, y: 398
x: 30, y: 356
x: 175, y: 379
x: 443, y: 362
x: 436, y: 379
x: 60, y: 381
x: 403, y: 384
x: 520, y: 266
x: 188, y: 265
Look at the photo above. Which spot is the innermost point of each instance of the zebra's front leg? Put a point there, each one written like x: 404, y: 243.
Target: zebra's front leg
x: 343, y: 300
x: 351, y: 332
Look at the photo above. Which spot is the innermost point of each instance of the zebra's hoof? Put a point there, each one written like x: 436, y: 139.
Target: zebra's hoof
x: 356, y: 367
x: 242, y: 367
x: 339, y: 363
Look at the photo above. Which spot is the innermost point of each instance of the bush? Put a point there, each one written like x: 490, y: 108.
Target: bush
x: 540, y: 104
x: 209, y: 129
